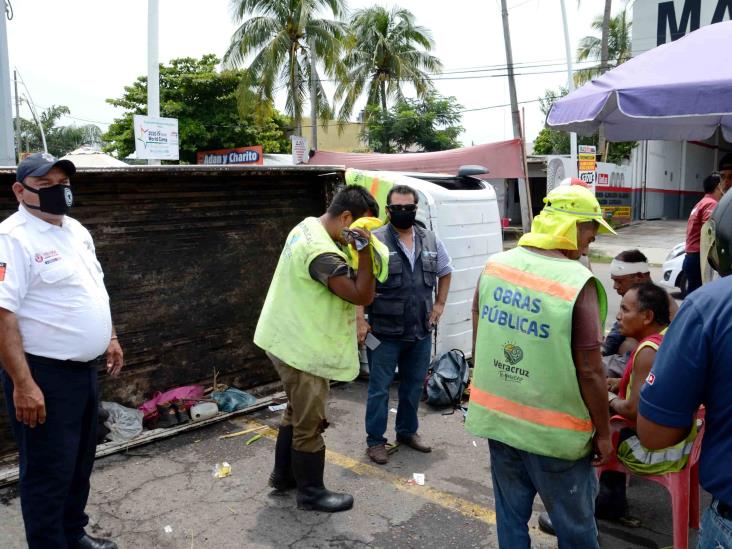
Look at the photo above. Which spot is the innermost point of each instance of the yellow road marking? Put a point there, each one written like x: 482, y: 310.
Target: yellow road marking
x: 443, y: 499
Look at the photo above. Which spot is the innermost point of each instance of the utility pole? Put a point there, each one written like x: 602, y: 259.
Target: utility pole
x: 570, y: 86
x: 153, y: 69
x: 601, y: 141
x: 7, y: 150
x: 523, y: 185
x: 313, y: 98
x: 34, y: 112
x: 19, y: 145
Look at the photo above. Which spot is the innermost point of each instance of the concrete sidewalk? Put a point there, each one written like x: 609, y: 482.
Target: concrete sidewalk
x: 136, y: 495
x: 654, y: 238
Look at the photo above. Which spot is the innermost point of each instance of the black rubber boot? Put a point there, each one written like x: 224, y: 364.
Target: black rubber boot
x: 611, y: 502
x: 281, y: 477
x: 545, y: 524
x: 312, y: 495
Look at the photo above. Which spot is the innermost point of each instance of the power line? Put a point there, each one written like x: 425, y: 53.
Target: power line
x: 478, y: 77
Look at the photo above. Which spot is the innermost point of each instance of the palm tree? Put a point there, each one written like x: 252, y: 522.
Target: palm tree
x: 619, y: 47
x: 384, y: 50
x: 281, y: 36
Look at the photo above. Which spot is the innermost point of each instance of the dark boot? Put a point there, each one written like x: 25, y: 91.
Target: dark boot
x: 611, y: 502
x: 88, y: 542
x: 281, y: 477
x: 545, y: 524
x: 312, y: 495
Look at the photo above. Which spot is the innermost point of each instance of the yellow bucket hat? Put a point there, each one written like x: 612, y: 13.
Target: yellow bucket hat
x: 555, y: 228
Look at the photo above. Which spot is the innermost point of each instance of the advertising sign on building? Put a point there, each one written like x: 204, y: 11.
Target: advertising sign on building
x: 299, y: 150
x: 156, y: 138
x: 586, y: 164
x: 251, y: 156
x: 657, y: 22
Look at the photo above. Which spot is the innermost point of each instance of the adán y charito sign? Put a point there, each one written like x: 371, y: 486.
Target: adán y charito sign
x: 252, y: 156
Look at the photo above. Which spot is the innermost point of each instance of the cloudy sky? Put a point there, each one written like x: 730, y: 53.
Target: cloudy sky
x: 80, y: 52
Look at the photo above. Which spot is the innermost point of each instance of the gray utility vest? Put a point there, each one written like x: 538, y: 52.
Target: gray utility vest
x: 403, y: 302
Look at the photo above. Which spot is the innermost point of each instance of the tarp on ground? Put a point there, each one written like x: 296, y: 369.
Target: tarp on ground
x: 503, y: 160
x: 678, y: 91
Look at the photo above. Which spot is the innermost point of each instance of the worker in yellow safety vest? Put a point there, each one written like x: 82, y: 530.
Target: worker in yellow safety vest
x: 539, y: 392
x: 308, y: 329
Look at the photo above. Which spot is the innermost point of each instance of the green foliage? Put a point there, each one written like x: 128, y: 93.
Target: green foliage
x: 280, y: 36
x: 59, y: 139
x: 205, y: 103
x: 619, y: 46
x: 551, y: 141
x: 384, y: 50
x: 429, y: 124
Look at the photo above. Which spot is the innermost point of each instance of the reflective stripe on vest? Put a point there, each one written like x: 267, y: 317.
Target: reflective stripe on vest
x: 531, y: 281
x: 547, y: 418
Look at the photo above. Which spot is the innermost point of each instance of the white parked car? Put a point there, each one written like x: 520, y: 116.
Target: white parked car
x: 673, y: 273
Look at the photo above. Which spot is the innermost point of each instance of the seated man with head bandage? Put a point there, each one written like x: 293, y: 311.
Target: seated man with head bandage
x: 626, y: 270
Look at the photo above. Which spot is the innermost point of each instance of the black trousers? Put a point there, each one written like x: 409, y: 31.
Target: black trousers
x: 56, y: 458
x: 692, y: 270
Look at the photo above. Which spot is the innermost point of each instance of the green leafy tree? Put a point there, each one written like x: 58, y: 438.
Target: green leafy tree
x: 280, y: 36
x: 205, y: 103
x: 59, y: 139
x: 619, y: 47
x: 385, y: 50
x: 429, y: 124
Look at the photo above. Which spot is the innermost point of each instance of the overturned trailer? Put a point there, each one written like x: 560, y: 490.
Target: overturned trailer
x: 188, y: 253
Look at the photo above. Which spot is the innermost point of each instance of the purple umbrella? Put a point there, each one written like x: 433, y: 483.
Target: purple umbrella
x: 678, y: 91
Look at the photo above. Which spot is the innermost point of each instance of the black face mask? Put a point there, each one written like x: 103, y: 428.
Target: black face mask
x: 402, y: 220
x: 54, y: 200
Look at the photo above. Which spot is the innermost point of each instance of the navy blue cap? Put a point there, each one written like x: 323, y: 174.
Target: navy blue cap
x: 39, y: 164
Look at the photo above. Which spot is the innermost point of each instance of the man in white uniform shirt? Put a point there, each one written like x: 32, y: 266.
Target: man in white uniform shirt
x: 54, y: 321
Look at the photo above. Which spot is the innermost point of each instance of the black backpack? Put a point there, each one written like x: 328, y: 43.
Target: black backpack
x: 447, y: 379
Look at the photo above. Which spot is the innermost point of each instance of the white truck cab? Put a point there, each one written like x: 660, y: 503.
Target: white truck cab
x: 463, y: 211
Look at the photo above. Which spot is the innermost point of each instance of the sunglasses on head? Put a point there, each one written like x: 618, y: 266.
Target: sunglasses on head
x: 402, y: 207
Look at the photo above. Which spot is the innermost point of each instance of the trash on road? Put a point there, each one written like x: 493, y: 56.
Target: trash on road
x: 475, y: 444
x: 255, y: 438
x: 168, y: 529
x: 221, y: 470
x: 417, y: 478
x: 393, y: 410
x: 277, y: 407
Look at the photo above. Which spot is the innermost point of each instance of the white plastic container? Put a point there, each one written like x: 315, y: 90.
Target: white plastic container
x: 204, y: 410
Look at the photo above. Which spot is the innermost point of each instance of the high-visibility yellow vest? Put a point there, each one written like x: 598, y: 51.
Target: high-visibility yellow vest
x: 302, y: 322
x: 525, y: 391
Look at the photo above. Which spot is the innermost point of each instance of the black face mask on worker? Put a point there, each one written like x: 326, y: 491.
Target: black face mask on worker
x: 56, y: 200
x: 402, y: 219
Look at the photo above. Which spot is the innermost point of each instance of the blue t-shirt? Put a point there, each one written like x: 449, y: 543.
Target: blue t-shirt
x: 693, y: 367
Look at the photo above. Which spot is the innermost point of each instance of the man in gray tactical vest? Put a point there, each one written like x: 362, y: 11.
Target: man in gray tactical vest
x: 402, y: 317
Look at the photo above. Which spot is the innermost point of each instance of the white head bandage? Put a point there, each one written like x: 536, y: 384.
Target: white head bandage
x: 621, y: 268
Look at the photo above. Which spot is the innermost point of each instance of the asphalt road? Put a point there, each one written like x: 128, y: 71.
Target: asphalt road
x: 164, y: 495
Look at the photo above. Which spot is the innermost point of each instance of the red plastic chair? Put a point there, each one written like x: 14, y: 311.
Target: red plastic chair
x: 683, y: 486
